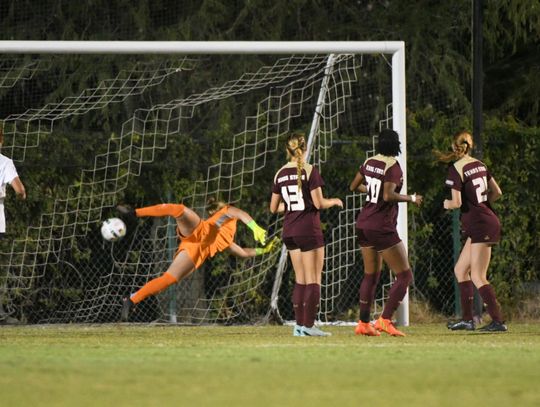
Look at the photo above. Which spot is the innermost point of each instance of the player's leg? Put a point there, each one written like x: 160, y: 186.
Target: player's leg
x: 299, y: 287
x: 181, y: 267
x: 372, y: 271
x: 396, y: 259
x: 480, y: 258
x: 462, y: 271
x: 313, y: 261
x: 186, y: 219
x: 160, y: 210
x: 5, y: 318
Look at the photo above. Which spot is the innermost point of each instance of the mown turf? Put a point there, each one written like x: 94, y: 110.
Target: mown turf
x: 113, y: 365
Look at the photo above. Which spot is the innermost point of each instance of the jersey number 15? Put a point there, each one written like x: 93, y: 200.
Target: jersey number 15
x: 294, y: 199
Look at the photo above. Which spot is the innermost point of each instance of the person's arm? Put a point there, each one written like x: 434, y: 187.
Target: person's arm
x: 321, y: 202
x: 237, y: 213
x: 248, y: 252
x: 494, y: 191
x: 276, y: 204
x: 241, y: 252
x: 390, y: 195
x: 357, y: 184
x: 258, y: 232
x: 455, y: 202
x: 18, y: 187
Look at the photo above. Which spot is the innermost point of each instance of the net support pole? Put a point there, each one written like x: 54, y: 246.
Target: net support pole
x: 274, y: 309
x: 399, y: 125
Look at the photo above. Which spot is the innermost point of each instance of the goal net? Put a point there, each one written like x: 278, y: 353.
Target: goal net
x: 88, y: 130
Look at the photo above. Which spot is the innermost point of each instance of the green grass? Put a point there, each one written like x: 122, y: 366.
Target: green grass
x: 134, y: 365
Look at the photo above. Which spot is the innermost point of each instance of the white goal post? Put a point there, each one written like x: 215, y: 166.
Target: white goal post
x: 396, y: 49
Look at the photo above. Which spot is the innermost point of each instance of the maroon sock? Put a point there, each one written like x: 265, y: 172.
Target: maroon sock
x: 466, y: 291
x: 397, y: 292
x: 375, y: 284
x: 488, y: 296
x: 312, y: 296
x: 298, y: 302
x: 366, y: 295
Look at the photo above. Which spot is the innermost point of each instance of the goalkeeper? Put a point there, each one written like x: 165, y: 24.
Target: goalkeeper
x: 199, y: 239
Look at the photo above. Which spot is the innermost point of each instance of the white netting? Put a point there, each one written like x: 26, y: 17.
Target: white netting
x: 14, y: 70
x: 24, y: 129
x: 62, y: 271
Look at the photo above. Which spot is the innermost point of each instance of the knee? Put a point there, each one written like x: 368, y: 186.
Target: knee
x: 461, y: 274
x: 406, y: 276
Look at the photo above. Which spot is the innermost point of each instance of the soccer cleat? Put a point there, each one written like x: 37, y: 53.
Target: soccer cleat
x: 365, y: 328
x: 297, y: 330
x: 126, y: 211
x: 494, y: 326
x: 387, y: 326
x: 126, y: 307
x: 314, y: 331
x: 462, y: 325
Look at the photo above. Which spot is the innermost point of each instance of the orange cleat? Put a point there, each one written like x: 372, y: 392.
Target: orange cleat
x: 387, y: 326
x: 365, y: 328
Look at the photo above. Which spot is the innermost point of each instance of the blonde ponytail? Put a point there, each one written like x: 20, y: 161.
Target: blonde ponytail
x: 299, y: 167
x: 296, y: 147
x: 462, y: 145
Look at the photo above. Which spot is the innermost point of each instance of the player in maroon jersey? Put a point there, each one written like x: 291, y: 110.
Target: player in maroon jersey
x: 381, y: 178
x: 473, y: 191
x: 297, y: 191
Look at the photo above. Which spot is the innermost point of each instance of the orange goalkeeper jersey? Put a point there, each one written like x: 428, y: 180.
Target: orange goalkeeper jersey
x: 211, y: 236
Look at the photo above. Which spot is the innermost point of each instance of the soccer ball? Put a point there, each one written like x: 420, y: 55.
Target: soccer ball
x: 113, y: 229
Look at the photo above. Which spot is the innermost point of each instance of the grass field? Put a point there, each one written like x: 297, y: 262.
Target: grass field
x: 145, y: 365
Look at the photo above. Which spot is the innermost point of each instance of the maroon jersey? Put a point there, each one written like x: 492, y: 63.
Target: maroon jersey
x: 301, y: 216
x: 470, y: 176
x: 376, y: 213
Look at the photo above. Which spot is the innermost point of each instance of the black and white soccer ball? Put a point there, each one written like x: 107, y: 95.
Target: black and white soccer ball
x: 113, y: 229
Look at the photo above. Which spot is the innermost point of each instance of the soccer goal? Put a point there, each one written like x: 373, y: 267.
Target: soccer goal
x: 151, y: 122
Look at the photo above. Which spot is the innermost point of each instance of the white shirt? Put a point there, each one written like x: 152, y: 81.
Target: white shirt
x: 7, y: 174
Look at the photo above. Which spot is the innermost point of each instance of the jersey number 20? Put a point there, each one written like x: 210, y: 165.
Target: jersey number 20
x: 373, y: 189
x: 294, y: 200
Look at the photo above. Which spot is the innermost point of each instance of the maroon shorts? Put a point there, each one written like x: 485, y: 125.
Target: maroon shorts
x: 486, y: 233
x: 377, y: 239
x: 304, y: 243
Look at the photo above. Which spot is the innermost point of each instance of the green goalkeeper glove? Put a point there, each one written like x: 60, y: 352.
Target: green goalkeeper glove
x: 258, y: 232
x: 268, y: 248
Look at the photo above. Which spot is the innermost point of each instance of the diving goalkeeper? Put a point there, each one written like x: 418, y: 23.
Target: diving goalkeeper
x: 199, y: 239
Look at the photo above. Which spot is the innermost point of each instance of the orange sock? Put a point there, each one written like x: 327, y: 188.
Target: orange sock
x: 153, y: 287
x: 174, y: 210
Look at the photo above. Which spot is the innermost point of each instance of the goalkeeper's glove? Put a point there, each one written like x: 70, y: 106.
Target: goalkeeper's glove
x: 268, y: 248
x: 258, y: 232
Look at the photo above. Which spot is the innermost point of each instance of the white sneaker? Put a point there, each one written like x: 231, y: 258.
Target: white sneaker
x: 297, y: 330
x: 314, y: 331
